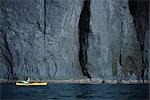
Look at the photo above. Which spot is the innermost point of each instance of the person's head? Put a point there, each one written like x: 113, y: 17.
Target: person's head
x: 28, y: 78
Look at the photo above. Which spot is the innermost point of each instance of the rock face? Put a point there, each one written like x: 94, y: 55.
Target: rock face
x: 126, y: 53
x: 73, y: 39
x: 42, y: 38
x: 99, y: 51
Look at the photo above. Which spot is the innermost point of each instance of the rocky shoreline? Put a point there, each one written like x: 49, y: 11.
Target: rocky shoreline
x: 86, y: 81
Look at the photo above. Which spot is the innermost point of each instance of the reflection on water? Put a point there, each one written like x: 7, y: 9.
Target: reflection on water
x: 75, y: 92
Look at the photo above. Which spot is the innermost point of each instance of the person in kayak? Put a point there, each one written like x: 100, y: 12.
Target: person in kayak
x: 27, y: 81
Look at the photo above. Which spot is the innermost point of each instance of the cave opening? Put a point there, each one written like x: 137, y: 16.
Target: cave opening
x: 139, y: 9
x: 84, y: 29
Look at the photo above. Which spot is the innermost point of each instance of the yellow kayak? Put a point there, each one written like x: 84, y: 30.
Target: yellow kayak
x: 31, y: 83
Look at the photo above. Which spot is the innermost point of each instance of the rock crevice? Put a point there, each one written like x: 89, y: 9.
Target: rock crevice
x: 84, y: 29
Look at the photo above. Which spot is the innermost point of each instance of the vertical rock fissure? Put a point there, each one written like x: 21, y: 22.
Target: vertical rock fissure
x: 120, y: 57
x: 44, y: 35
x: 44, y: 23
x: 84, y: 29
x: 140, y: 12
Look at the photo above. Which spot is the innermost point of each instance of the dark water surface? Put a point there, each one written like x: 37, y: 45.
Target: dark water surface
x: 75, y: 92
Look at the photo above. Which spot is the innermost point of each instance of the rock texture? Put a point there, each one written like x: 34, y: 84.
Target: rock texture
x: 41, y: 37
x: 99, y: 51
x: 125, y: 46
x: 140, y: 12
x: 74, y: 39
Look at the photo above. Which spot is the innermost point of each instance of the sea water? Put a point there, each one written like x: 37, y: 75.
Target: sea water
x: 75, y: 92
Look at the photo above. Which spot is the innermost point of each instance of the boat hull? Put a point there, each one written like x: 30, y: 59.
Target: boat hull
x: 32, y: 84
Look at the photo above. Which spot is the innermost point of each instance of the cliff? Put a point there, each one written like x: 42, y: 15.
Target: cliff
x: 74, y: 39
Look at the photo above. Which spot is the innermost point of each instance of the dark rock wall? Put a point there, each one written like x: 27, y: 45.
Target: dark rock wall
x: 140, y: 13
x: 73, y: 39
